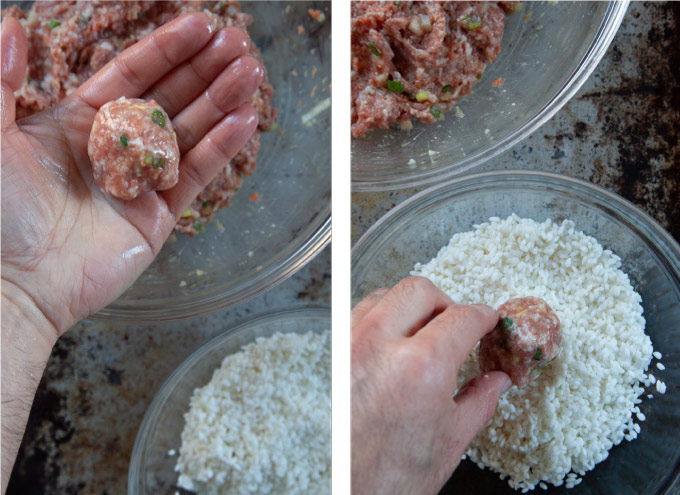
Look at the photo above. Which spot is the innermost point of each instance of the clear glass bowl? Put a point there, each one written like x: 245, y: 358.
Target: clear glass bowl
x: 544, y: 60
x: 416, y: 229
x: 151, y: 468
x: 253, y: 245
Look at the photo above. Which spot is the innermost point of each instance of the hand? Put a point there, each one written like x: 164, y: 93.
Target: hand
x: 408, y: 430
x: 67, y: 248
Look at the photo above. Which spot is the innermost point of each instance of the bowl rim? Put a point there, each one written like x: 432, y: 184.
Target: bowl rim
x: 609, y: 25
x: 664, y: 244
x: 199, y: 304
x: 155, y: 408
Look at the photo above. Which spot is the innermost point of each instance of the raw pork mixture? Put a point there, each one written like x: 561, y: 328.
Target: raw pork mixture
x: 133, y: 148
x: 69, y: 41
x: 416, y: 59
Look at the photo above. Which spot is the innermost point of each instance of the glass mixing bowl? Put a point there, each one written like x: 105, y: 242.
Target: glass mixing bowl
x: 253, y: 245
x: 415, y: 230
x: 151, y: 467
x: 548, y: 51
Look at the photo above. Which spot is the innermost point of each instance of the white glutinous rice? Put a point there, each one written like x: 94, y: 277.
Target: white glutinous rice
x: 262, y: 423
x: 564, y: 423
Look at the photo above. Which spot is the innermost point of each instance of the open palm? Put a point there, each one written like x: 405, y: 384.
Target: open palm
x: 66, y: 245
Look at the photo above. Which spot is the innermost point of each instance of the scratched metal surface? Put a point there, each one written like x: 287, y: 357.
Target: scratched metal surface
x: 620, y: 131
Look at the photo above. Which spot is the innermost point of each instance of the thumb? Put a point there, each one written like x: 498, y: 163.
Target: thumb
x: 13, y: 53
x: 476, y: 402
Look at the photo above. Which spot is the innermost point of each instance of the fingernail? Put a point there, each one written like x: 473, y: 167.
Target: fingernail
x: 506, y: 386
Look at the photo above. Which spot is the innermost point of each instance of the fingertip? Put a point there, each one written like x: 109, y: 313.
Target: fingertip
x: 489, y: 314
x: 14, y: 52
x: 198, y: 20
x: 249, y: 67
x: 237, y: 39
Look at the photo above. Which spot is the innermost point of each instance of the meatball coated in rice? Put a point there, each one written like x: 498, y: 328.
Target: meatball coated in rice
x: 526, y: 338
x: 416, y: 59
x: 133, y: 148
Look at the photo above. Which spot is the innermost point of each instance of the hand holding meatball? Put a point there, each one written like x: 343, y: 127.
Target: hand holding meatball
x: 525, y: 339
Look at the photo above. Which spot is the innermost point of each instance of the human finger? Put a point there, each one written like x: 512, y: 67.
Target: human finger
x: 476, y: 403
x: 406, y: 308
x: 201, y: 164
x: 184, y: 84
x: 231, y: 89
x: 13, y: 53
x: 453, y: 333
x: 137, y: 68
x: 367, y: 304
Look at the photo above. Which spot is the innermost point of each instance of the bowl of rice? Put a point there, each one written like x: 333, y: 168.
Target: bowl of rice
x: 249, y: 412
x: 602, y: 418
x: 547, y: 51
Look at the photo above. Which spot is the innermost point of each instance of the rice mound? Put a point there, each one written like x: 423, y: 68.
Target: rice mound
x: 262, y: 423
x: 563, y: 424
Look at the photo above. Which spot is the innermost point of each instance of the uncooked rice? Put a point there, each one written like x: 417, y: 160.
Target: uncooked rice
x: 560, y: 426
x: 262, y: 424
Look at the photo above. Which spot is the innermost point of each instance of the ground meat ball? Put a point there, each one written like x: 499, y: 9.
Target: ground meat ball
x: 415, y: 59
x: 69, y: 41
x: 133, y: 148
x: 527, y: 337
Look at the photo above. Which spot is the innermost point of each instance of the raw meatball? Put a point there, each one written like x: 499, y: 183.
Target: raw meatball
x: 526, y: 338
x: 133, y: 148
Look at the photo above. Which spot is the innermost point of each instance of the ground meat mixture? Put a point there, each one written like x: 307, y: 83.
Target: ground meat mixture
x: 526, y: 339
x: 415, y: 59
x: 70, y: 41
x: 133, y: 148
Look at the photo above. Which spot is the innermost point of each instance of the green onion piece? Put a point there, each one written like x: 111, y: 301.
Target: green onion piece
x: 537, y: 356
x: 54, y: 23
x: 274, y: 126
x: 40, y: 86
x: 436, y: 112
x: 207, y: 204
x: 479, y: 76
x: 395, y: 86
x: 28, y: 79
x: 158, y: 162
x: 422, y: 95
x: 84, y: 20
x: 198, y: 226
x: 148, y: 158
x: 544, y: 367
x: 375, y: 51
x: 470, y: 23
x: 187, y: 213
x: 123, y: 141
x: 446, y: 89
x: 397, y: 4
x: 506, y: 323
x: 158, y: 117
